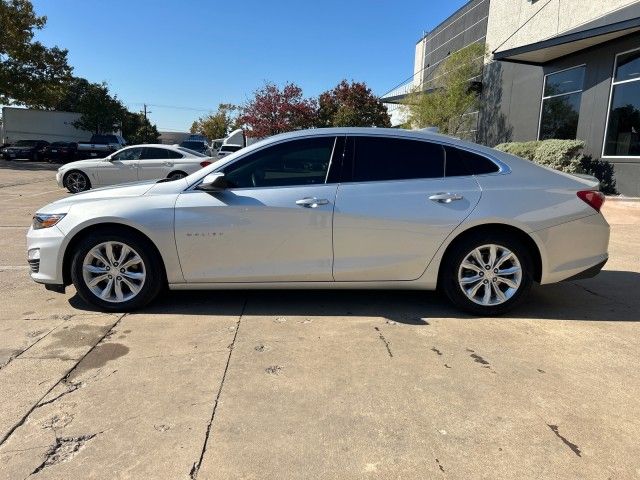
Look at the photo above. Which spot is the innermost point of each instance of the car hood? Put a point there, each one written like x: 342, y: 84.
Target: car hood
x: 90, y: 162
x: 135, y: 189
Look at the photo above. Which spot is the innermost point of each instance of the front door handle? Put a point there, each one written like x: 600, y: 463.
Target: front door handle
x: 311, y: 202
x: 445, y: 197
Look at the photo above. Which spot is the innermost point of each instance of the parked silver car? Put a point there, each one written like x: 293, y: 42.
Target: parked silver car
x: 330, y: 208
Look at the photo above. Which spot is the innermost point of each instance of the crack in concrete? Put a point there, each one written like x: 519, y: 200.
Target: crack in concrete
x: 19, y: 353
x: 63, y: 450
x: 193, y: 474
x: 574, y: 448
x: 62, y: 380
x: 72, y: 388
x: 385, y: 341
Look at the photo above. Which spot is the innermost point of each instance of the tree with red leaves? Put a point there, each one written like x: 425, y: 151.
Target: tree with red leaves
x: 274, y: 111
x: 351, y: 105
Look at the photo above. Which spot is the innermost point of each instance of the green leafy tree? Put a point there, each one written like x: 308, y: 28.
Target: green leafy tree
x: 30, y: 73
x: 445, y: 99
x: 138, y: 129
x: 100, y: 112
x: 216, y: 125
x: 351, y: 105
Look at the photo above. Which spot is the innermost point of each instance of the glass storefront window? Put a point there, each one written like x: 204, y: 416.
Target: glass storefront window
x: 623, y: 125
x: 561, y: 104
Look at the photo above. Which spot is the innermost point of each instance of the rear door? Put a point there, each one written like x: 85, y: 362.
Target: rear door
x: 154, y: 164
x: 395, y: 207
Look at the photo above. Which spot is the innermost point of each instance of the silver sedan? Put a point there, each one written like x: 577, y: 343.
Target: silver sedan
x: 330, y: 208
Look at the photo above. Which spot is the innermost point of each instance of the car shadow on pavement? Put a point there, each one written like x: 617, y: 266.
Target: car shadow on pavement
x: 611, y: 296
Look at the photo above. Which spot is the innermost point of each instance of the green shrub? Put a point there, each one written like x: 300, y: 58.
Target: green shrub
x: 563, y: 155
x: 520, y: 149
x: 603, y: 171
x: 566, y: 156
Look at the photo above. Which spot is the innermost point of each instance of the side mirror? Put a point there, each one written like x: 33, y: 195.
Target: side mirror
x: 214, y: 182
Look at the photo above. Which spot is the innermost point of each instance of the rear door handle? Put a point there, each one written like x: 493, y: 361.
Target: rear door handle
x: 311, y: 202
x: 445, y: 197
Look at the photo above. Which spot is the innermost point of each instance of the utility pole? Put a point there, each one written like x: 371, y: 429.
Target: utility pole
x: 144, y: 128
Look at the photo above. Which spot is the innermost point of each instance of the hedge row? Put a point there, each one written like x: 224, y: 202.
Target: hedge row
x: 566, y: 156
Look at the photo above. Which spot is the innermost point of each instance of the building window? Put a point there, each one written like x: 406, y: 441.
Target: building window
x: 623, y: 125
x: 561, y: 104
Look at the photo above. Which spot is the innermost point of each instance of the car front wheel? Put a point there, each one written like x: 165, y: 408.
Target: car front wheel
x: 487, y: 274
x: 116, y: 272
x: 76, y: 182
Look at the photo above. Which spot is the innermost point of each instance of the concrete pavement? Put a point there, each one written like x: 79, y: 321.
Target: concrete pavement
x: 290, y: 385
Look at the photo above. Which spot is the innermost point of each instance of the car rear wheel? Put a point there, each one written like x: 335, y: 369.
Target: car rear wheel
x: 117, y: 272
x: 487, y: 274
x: 76, y: 182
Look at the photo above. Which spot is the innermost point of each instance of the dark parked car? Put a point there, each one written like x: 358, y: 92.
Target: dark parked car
x: 61, y: 152
x: 199, y: 146
x: 31, y: 149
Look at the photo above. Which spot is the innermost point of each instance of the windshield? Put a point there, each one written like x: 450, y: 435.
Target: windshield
x: 26, y: 143
x: 192, y: 152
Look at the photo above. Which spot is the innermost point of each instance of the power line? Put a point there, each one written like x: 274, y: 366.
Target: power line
x: 174, y: 107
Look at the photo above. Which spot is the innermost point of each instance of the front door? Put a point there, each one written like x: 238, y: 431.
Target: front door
x: 395, y: 208
x: 121, y: 167
x: 272, y: 224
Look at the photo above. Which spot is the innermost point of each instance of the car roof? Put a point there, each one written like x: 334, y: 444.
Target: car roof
x: 424, y: 134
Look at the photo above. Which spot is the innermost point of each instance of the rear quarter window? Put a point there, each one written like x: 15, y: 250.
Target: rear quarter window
x: 460, y: 162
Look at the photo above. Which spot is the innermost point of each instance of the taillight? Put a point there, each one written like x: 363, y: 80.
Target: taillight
x: 205, y: 163
x: 592, y: 198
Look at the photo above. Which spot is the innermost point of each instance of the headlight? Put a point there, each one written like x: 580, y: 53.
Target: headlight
x: 42, y: 220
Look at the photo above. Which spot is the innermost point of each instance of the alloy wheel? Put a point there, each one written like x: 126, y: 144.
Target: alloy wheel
x: 490, y: 275
x: 76, y: 182
x: 114, y: 272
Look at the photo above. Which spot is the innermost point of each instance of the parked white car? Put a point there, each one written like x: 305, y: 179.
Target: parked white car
x: 131, y: 164
x: 330, y: 208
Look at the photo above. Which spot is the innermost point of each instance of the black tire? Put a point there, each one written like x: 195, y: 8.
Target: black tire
x: 450, y: 285
x: 70, y: 181
x: 152, y: 263
x: 176, y: 175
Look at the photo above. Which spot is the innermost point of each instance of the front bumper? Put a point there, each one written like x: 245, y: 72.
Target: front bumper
x: 49, y: 242
x: 59, y: 178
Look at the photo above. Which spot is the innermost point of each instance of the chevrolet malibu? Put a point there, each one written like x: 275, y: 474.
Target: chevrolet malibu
x: 330, y: 208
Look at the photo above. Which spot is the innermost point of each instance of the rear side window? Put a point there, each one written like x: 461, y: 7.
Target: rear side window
x: 383, y: 159
x: 462, y: 162
x: 151, y: 153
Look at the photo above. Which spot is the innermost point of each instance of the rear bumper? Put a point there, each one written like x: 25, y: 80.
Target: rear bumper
x: 574, y: 248
x: 589, y: 272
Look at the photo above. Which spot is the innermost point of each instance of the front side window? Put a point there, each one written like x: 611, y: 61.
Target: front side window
x: 561, y: 104
x: 384, y: 159
x: 296, y: 162
x: 623, y: 126
x: 128, y: 154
